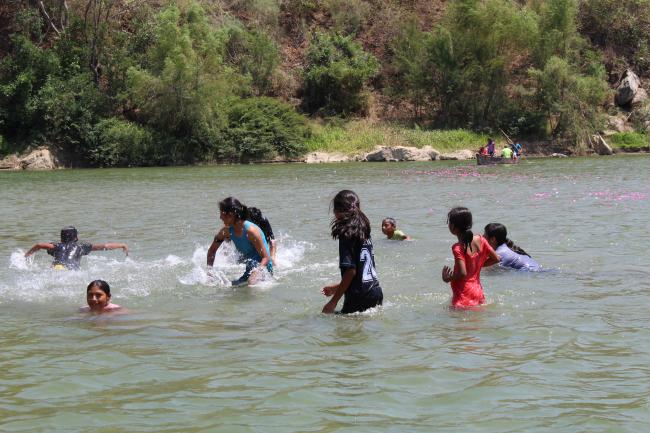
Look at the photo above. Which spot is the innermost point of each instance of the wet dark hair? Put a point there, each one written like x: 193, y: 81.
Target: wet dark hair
x: 390, y: 220
x: 500, y: 233
x: 101, y: 285
x: 68, y: 234
x: 353, y: 223
x: 255, y: 215
x: 233, y: 206
x: 461, y: 218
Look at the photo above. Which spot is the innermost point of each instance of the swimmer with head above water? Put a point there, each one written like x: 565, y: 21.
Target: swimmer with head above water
x: 98, y: 296
x: 67, y: 253
x: 389, y: 228
x: 359, y: 281
x: 510, y: 255
x: 471, y: 253
x: 248, y: 238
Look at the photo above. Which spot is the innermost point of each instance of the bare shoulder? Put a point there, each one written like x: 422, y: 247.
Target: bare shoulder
x: 222, y: 234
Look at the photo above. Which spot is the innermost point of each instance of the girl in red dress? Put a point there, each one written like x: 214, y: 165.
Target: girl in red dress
x: 471, y: 253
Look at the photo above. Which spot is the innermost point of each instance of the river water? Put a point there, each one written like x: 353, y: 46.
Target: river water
x: 567, y: 349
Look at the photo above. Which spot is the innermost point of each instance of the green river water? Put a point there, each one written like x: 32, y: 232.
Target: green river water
x: 563, y: 350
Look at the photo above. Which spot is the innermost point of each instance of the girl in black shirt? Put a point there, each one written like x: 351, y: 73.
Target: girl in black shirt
x: 359, y: 281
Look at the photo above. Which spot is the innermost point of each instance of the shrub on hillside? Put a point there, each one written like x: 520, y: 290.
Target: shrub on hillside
x: 336, y: 75
x: 254, y: 54
x: 261, y: 128
x: 118, y: 143
x: 185, y: 86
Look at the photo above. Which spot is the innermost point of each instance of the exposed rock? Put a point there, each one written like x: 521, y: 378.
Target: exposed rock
x: 600, y: 146
x: 627, y: 88
x: 640, y: 98
x: 647, y: 125
x: 11, y: 162
x: 558, y: 155
x: 322, y: 157
x: 38, y: 159
x: 618, y: 124
x: 402, y: 153
x: 460, y: 155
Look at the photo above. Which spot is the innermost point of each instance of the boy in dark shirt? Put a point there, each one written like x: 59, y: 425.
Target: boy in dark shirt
x: 67, y: 254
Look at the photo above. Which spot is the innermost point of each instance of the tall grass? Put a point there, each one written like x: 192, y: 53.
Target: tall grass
x: 629, y: 139
x: 363, y: 136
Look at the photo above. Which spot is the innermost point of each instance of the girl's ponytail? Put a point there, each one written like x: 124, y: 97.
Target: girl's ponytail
x: 467, y: 238
x: 517, y: 249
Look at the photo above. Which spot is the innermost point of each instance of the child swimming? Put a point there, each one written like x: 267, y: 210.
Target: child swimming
x: 248, y: 238
x: 359, y: 283
x: 98, y: 297
x: 510, y: 255
x: 471, y: 253
x: 389, y: 228
x: 67, y: 254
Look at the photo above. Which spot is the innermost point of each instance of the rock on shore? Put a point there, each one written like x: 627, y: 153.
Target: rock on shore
x: 402, y: 153
x: 37, y: 159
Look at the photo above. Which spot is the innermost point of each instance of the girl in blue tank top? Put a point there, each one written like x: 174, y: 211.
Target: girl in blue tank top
x: 248, y: 238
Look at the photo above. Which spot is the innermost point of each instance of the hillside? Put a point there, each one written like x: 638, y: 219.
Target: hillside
x: 115, y: 82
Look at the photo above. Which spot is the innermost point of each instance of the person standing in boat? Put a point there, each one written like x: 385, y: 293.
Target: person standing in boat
x: 248, y: 238
x: 490, y: 147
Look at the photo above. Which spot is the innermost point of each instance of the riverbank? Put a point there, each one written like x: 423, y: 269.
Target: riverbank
x: 366, y: 141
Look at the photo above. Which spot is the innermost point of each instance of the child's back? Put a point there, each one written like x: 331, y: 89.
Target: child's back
x: 468, y: 291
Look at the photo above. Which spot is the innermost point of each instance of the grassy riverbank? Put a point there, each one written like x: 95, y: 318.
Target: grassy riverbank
x: 362, y: 136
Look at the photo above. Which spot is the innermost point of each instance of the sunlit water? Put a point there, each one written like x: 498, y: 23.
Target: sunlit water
x: 567, y: 349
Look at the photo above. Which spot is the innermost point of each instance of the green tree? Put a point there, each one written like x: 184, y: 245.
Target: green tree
x: 263, y: 128
x: 336, y: 74
x: 186, y: 87
x: 569, y: 99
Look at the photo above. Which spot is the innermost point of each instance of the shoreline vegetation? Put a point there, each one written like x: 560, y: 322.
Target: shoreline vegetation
x: 362, y: 141
x: 187, y: 82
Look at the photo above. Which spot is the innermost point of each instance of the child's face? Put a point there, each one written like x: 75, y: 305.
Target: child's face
x: 387, y: 228
x: 227, y: 218
x: 491, y: 240
x: 97, y: 299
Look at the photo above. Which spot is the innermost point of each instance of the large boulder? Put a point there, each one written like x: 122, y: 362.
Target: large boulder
x: 627, y: 88
x: 618, y: 124
x: 39, y: 159
x: 323, y: 157
x: 600, y: 146
x: 402, y: 153
x: 459, y: 155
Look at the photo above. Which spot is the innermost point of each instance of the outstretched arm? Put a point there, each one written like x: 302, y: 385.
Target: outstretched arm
x: 39, y: 246
x: 216, y: 243
x: 336, y: 291
x: 111, y: 246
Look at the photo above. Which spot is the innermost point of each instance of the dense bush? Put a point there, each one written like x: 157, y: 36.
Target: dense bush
x: 254, y: 54
x: 261, y: 128
x: 116, y: 142
x: 335, y: 76
x: 186, y: 87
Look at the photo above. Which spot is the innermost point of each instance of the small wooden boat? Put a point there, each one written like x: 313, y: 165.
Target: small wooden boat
x: 494, y: 160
